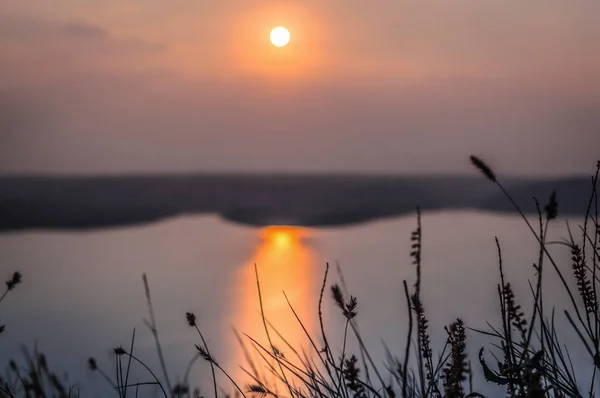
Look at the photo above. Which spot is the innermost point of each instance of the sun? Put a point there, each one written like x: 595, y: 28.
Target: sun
x: 280, y: 36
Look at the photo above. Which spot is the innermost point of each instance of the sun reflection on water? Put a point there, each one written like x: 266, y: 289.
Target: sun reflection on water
x: 285, y: 263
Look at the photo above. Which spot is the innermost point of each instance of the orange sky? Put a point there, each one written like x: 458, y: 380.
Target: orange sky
x: 108, y: 86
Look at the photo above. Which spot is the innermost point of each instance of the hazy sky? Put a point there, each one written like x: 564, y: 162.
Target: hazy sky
x: 113, y: 86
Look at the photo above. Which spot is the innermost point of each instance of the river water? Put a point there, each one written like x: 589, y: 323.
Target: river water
x: 83, y: 295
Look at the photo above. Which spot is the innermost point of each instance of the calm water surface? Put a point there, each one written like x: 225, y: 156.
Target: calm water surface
x: 83, y: 294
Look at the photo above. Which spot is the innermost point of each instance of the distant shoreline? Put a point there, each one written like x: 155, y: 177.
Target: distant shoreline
x: 84, y: 203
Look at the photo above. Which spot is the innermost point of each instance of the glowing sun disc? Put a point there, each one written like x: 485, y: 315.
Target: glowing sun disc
x: 280, y: 36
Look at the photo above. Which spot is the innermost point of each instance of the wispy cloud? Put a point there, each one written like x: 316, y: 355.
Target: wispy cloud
x: 82, y: 30
x: 67, y: 48
x: 17, y: 30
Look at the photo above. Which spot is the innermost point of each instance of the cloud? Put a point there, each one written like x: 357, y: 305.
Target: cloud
x: 67, y: 48
x: 79, y: 30
x: 82, y: 30
x: 19, y: 30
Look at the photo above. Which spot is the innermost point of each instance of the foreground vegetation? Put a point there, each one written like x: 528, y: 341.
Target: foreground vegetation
x: 531, y: 360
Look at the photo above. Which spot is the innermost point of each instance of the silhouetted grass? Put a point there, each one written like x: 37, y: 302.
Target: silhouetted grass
x: 531, y: 361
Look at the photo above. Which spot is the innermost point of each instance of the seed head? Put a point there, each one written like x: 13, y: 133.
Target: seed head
x: 14, y: 281
x: 119, y: 351
x: 191, y: 318
x: 484, y: 168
